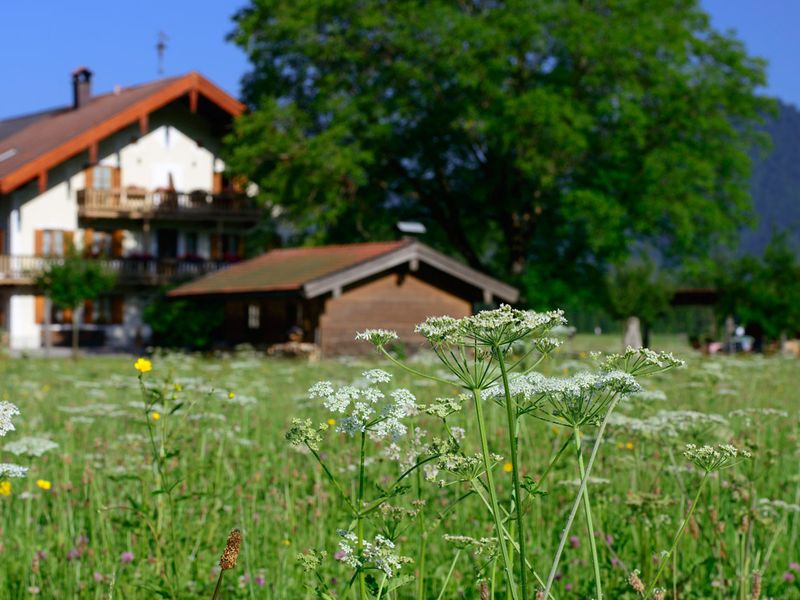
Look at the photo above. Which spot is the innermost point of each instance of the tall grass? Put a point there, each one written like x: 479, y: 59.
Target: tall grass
x: 107, y: 527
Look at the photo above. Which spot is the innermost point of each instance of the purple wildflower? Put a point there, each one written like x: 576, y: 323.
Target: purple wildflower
x: 126, y: 557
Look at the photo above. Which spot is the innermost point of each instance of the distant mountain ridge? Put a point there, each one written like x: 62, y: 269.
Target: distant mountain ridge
x: 775, y: 182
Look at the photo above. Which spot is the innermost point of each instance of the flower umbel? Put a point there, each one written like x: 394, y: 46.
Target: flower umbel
x: 715, y: 458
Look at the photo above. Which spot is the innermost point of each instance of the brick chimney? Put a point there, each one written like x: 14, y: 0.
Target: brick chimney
x: 81, y: 87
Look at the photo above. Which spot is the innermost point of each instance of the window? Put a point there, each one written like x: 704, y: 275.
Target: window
x: 101, y: 243
x: 230, y: 245
x: 52, y: 242
x: 102, y: 178
x: 253, y: 316
x: 190, y: 238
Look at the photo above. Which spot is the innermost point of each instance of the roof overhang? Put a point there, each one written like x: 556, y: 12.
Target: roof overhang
x: 413, y: 253
x: 193, y: 84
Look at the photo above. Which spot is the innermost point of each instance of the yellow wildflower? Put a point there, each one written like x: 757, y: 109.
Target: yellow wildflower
x: 286, y: 542
x: 508, y: 467
x: 44, y: 484
x: 331, y: 422
x: 178, y: 387
x: 155, y: 415
x: 629, y: 445
x: 5, y: 488
x: 143, y: 365
x: 231, y: 395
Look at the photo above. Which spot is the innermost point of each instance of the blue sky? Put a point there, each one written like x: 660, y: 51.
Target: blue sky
x: 41, y: 42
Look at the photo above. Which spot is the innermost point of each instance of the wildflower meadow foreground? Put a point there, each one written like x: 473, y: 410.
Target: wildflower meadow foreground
x: 500, y: 463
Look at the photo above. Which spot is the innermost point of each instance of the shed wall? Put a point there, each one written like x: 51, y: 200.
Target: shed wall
x: 394, y: 301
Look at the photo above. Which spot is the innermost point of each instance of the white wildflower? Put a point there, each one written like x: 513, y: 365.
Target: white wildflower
x: 7, y: 411
x: 377, y: 376
x: 8, y: 470
x: 715, y: 458
x: 377, y: 337
x: 30, y: 446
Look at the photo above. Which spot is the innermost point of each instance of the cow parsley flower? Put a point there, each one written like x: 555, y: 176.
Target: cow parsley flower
x: 30, y: 446
x: 8, y: 470
x: 381, y: 554
x: 715, y: 458
x: 641, y: 361
x: 304, y: 433
x: 7, y: 411
x: 377, y: 376
x: 377, y: 337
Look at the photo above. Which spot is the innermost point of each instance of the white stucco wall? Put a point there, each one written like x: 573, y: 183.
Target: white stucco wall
x: 178, y: 143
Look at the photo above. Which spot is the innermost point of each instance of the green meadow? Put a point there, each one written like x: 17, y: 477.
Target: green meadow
x: 143, y: 481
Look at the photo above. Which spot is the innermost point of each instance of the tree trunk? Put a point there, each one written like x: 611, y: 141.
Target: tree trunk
x: 633, y: 333
x: 75, y: 333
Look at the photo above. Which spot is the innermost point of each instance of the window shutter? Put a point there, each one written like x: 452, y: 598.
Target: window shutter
x: 68, y: 241
x: 88, y: 317
x: 116, y: 178
x: 39, y: 311
x: 117, y: 310
x: 240, y: 247
x: 88, y: 238
x: 2, y: 241
x: 217, y: 184
x: 116, y: 242
x: 38, y: 242
x: 216, y: 246
x: 89, y: 175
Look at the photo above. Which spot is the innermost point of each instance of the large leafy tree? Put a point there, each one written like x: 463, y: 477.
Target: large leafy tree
x: 538, y: 139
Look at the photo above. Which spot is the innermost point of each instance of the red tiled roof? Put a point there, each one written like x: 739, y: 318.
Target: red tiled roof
x: 286, y: 269
x: 35, y: 143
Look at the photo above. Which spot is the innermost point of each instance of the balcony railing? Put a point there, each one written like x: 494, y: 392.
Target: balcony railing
x: 22, y: 270
x: 134, y: 203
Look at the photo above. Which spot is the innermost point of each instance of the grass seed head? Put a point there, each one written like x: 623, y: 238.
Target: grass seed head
x: 231, y: 553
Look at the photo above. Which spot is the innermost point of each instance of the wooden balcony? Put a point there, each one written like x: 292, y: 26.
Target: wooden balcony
x: 22, y: 270
x: 135, y: 203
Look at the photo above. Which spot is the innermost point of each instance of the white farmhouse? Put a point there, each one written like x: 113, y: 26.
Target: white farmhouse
x: 132, y: 178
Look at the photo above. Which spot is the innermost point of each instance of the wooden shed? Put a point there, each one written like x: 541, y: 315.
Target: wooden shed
x: 325, y: 294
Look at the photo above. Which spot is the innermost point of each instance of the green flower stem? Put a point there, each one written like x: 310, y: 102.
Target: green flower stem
x: 477, y: 490
x: 587, y: 507
x: 362, y: 580
x: 511, y: 416
x: 565, y: 533
x: 449, y: 574
x: 487, y: 464
x: 333, y: 480
x: 665, y: 559
x: 414, y: 371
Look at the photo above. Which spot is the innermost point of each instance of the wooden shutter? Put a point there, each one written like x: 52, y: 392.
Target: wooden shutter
x: 217, y: 184
x: 2, y: 241
x: 216, y: 246
x: 89, y: 175
x: 88, y: 316
x: 38, y: 242
x: 117, y: 310
x: 39, y: 311
x: 116, y: 242
x: 240, y: 247
x: 116, y: 178
x: 68, y: 239
x: 88, y: 238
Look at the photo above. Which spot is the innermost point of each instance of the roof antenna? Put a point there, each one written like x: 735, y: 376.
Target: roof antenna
x: 161, y: 45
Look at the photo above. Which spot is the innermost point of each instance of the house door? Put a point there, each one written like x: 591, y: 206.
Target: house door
x: 167, y: 243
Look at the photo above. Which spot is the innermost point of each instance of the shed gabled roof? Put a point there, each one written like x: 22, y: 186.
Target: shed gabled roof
x: 312, y: 272
x: 35, y: 143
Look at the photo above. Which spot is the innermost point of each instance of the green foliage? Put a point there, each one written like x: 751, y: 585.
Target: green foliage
x: 538, y: 140
x: 182, y: 323
x: 73, y: 280
x: 764, y: 291
x: 638, y: 289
